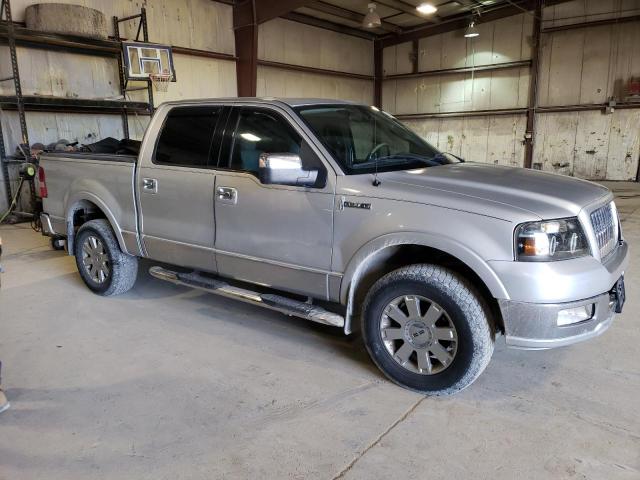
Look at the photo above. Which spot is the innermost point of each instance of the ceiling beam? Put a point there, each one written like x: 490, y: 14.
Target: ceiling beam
x: 260, y: 11
x: 349, y: 15
x: 327, y: 25
x: 457, y: 22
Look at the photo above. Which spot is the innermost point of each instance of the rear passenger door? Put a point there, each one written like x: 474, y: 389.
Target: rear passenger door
x: 175, y: 188
x: 274, y: 235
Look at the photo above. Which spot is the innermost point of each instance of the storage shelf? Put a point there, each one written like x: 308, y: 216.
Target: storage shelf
x: 36, y: 103
x: 54, y: 41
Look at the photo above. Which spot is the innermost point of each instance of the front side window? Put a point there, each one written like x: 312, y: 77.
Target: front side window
x: 365, y: 140
x: 186, y: 137
x: 261, y: 131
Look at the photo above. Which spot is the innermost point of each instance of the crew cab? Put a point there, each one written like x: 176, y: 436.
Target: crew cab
x: 337, y: 213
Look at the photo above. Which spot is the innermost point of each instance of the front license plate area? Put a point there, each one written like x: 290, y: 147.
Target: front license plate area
x: 618, y: 295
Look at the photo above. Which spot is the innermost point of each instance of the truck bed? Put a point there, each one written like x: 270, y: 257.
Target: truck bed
x: 107, y: 180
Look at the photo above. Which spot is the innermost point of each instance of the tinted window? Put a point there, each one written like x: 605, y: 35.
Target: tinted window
x: 365, y: 140
x: 186, y: 137
x: 261, y: 131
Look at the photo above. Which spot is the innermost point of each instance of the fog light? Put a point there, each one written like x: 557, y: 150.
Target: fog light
x: 575, y: 315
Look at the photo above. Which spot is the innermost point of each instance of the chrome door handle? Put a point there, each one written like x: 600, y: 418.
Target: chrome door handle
x: 150, y: 185
x: 227, y: 195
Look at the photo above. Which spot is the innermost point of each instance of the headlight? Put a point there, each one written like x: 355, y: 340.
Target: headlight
x: 550, y: 240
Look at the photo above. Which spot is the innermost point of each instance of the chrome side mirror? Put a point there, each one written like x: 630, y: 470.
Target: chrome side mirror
x: 285, y: 169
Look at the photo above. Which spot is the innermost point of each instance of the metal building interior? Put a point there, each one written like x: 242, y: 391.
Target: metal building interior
x: 167, y: 382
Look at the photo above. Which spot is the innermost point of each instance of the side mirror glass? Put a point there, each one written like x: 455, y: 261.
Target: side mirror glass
x: 285, y: 169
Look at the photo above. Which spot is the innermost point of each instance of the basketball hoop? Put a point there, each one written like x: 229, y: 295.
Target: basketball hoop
x: 160, y: 81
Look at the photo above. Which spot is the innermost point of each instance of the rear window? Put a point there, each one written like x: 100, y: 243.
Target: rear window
x: 187, y: 136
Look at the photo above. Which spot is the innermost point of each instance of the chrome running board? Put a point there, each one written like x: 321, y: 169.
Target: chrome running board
x: 271, y: 301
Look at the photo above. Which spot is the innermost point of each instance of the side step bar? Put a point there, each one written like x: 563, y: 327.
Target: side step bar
x: 278, y: 303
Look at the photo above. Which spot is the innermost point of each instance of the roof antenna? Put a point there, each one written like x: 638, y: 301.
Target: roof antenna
x: 376, y: 182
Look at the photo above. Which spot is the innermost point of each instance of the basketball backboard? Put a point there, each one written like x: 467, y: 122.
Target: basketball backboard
x: 144, y: 59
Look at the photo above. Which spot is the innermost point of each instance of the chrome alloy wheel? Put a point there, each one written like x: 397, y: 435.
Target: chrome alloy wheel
x: 95, y: 259
x: 418, y: 334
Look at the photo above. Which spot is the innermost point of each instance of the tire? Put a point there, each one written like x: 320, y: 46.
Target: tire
x: 433, y: 357
x: 104, y: 268
x: 57, y: 243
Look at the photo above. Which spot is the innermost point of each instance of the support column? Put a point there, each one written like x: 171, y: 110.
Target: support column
x: 533, y: 86
x: 246, y: 35
x: 378, y: 73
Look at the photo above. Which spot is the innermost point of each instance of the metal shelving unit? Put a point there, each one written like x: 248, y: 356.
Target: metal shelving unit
x: 14, y: 35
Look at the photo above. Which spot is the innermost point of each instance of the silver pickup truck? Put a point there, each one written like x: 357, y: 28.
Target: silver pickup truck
x: 337, y: 213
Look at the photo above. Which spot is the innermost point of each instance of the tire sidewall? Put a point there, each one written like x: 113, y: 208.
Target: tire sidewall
x: 86, y: 231
x: 439, y: 383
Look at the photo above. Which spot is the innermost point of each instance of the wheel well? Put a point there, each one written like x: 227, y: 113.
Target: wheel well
x: 81, y: 212
x: 398, y: 256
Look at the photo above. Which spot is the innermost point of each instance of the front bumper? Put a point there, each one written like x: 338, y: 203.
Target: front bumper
x: 534, y: 326
x: 531, y: 313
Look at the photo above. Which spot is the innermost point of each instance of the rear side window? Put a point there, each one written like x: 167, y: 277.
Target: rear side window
x: 261, y: 131
x: 187, y: 136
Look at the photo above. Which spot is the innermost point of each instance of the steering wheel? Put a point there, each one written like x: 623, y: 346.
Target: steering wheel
x: 378, y: 147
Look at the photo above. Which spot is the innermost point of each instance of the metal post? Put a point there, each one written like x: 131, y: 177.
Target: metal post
x: 123, y: 85
x: 5, y: 167
x: 533, y: 86
x: 16, y: 73
x: 145, y: 36
x: 245, y: 28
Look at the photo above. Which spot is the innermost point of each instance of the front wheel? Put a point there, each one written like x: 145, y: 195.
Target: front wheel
x: 104, y: 268
x: 427, y: 330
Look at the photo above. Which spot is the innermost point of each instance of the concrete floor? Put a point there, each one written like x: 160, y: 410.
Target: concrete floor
x: 166, y: 382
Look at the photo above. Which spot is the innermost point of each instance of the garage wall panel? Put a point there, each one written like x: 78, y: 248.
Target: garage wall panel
x: 277, y: 82
x: 498, y: 89
x: 295, y: 43
x: 579, y: 11
x: 63, y: 74
x: 486, y: 139
x: 589, y: 65
x: 589, y: 144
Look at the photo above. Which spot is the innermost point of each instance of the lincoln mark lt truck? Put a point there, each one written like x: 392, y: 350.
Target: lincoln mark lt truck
x: 337, y: 213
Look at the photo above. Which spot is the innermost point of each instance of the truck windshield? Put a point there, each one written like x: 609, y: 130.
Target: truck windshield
x: 365, y: 140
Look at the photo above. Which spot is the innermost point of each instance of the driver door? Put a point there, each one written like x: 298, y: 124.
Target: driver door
x: 275, y: 235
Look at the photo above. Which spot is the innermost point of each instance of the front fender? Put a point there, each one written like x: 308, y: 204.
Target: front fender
x: 445, y: 244
x: 360, y: 262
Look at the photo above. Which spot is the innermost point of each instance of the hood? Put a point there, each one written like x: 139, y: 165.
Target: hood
x: 503, y: 192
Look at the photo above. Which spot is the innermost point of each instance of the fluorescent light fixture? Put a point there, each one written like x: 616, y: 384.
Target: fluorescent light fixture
x: 471, y: 31
x: 371, y: 19
x: 250, y: 137
x: 426, y: 9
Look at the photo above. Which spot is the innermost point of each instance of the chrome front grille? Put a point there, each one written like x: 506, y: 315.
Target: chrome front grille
x: 604, y: 221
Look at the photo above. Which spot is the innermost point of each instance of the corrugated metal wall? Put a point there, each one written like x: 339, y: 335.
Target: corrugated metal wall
x: 582, y: 66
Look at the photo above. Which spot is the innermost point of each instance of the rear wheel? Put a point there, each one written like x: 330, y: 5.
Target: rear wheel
x: 427, y: 329
x: 104, y: 268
